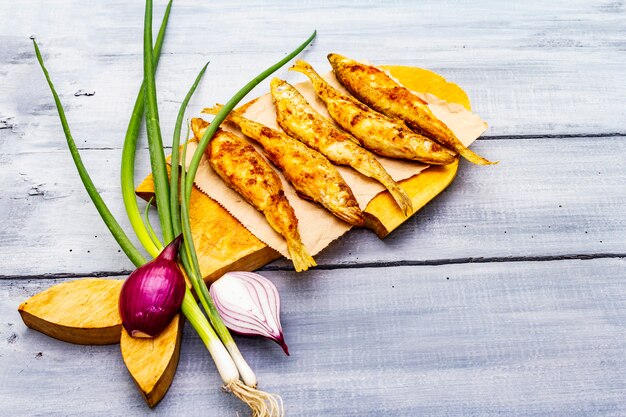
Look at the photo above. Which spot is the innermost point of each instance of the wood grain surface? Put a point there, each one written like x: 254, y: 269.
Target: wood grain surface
x: 505, y: 338
x: 504, y: 296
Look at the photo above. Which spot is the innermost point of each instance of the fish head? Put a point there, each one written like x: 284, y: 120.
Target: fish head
x: 336, y: 60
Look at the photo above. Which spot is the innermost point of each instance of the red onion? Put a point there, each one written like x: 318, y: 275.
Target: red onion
x: 249, y: 304
x: 152, y: 294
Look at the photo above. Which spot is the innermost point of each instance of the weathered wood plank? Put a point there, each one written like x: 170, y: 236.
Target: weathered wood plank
x: 522, y: 338
x: 527, y: 67
x: 545, y: 198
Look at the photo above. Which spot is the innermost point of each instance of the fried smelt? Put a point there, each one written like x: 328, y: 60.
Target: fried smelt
x: 244, y: 170
x: 311, y: 174
x: 375, y: 131
x: 380, y: 92
x: 296, y: 117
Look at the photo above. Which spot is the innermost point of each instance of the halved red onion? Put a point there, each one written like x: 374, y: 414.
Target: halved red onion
x: 152, y: 294
x: 249, y: 304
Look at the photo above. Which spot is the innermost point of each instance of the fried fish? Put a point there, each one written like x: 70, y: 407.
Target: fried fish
x: 380, y: 92
x: 311, y: 174
x: 296, y: 117
x: 244, y: 170
x: 375, y: 131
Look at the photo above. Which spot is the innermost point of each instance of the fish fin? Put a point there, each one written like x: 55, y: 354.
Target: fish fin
x: 198, y: 126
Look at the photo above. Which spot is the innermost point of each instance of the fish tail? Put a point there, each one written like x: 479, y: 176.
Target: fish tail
x: 351, y: 214
x: 232, y: 116
x: 370, y: 167
x: 401, y: 197
x: 473, y: 157
x: 303, y: 67
x: 300, y: 256
x: 212, y: 110
x: 442, y: 134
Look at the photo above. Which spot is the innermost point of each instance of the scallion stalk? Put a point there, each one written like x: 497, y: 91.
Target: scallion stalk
x: 128, y: 151
x: 146, y: 219
x: 260, y: 402
x: 155, y: 142
x: 174, y: 179
x: 226, y: 368
x: 116, y: 230
x: 118, y: 233
x: 196, y: 277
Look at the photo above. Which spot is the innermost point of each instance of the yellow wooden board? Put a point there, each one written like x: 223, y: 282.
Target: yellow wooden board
x: 83, y: 311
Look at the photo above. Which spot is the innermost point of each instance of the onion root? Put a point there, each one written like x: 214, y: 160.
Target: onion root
x: 261, y: 403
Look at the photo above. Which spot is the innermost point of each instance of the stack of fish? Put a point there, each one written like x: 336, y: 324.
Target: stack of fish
x: 382, y: 118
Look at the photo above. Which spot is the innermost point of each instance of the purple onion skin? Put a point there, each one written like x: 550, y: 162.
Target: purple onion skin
x: 263, y: 294
x: 152, y: 294
x: 278, y: 339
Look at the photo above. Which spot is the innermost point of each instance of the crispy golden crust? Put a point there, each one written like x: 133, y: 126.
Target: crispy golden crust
x: 296, y: 117
x: 245, y: 171
x: 376, y: 89
x: 375, y: 131
x: 311, y: 174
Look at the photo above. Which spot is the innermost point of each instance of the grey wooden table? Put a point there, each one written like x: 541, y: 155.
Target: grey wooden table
x: 504, y: 296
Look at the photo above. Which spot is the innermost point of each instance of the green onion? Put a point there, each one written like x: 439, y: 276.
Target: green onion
x: 128, y: 151
x: 188, y: 253
x: 155, y: 143
x: 256, y: 399
x: 116, y: 230
x: 218, y: 340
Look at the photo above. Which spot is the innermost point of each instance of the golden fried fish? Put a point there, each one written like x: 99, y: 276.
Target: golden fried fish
x: 376, y: 89
x: 244, y: 170
x: 311, y: 174
x: 376, y: 132
x: 296, y: 117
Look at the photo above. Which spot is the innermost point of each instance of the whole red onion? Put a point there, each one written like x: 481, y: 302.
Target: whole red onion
x: 152, y: 294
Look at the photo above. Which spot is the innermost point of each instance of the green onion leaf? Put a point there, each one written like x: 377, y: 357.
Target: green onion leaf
x: 146, y: 218
x: 174, y: 190
x: 116, y: 230
x: 128, y: 151
x: 155, y: 143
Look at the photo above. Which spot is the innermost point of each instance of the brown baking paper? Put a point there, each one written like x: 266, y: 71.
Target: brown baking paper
x: 318, y: 227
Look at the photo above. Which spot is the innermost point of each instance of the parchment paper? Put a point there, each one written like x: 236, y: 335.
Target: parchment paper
x: 318, y: 227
